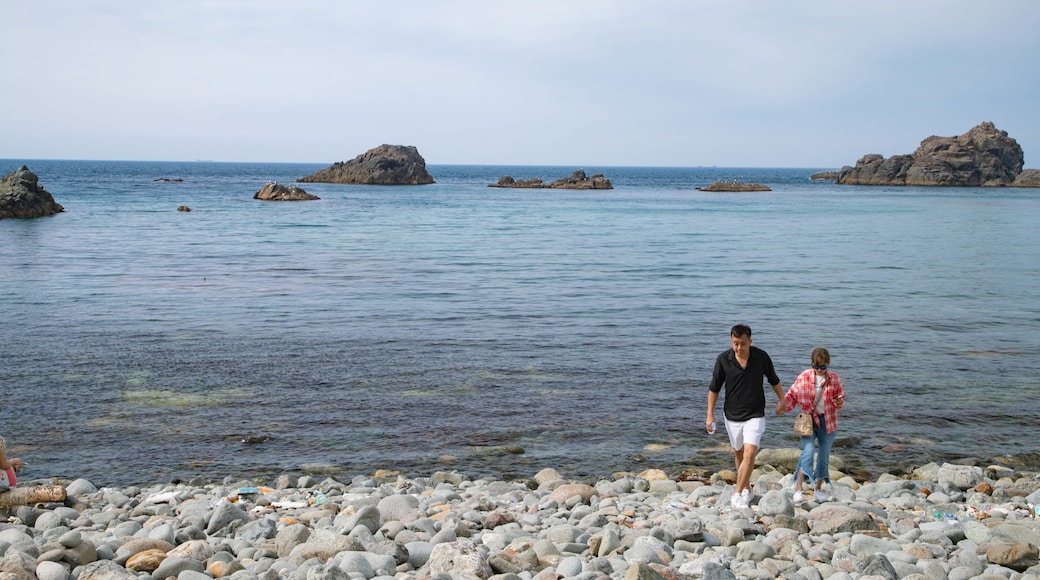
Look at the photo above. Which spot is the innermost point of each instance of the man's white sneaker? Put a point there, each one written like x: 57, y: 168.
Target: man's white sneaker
x: 799, y: 497
x: 745, y: 498
x: 734, y: 501
x: 820, y: 496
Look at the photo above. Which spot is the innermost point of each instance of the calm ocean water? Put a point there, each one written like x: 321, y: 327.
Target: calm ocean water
x: 449, y: 326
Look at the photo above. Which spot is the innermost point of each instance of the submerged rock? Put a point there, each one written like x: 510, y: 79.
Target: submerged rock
x: 22, y: 196
x: 278, y: 192
x: 383, y: 165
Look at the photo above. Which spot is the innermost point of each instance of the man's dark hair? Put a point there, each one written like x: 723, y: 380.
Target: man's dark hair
x: 740, y: 330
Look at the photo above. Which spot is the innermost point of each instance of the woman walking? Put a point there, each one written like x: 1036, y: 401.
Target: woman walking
x: 817, y: 391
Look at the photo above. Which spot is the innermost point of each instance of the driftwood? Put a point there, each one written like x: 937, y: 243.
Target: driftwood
x: 30, y: 495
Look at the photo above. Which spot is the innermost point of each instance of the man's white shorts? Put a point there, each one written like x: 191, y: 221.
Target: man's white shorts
x: 748, y: 432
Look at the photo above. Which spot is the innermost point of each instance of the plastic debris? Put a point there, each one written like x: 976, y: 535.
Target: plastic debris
x: 319, y: 499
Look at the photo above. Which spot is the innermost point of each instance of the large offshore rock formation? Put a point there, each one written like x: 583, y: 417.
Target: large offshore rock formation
x: 983, y: 157
x: 383, y: 165
x: 22, y: 196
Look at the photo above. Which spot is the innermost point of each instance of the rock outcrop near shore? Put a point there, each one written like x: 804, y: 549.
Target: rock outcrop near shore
x: 278, y: 192
x: 577, y: 180
x: 735, y: 186
x: 983, y: 157
x: 22, y: 196
x: 940, y: 521
x: 1028, y: 178
x: 383, y: 165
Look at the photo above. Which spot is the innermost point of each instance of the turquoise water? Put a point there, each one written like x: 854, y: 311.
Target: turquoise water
x: 452, y: 325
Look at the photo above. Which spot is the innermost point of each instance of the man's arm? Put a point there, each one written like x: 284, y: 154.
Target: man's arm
x: 713, y: 398
x: 718, y: 379
x: 781, y: 405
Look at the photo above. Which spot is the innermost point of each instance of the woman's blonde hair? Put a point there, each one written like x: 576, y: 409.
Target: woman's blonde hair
x: 820, y: 356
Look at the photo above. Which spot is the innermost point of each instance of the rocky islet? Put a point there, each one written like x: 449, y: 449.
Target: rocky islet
x: 277, y: 192
x: 942, y: 521
x: 983, y: 157
x: 734, y: 186
x: 577, y: 180
x: 22, y: 196
x: 383, y: 165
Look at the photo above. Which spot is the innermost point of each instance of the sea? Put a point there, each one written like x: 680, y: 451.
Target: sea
x: 496, y: 332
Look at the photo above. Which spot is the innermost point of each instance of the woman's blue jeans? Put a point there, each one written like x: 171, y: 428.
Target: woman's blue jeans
x: 823, y: 457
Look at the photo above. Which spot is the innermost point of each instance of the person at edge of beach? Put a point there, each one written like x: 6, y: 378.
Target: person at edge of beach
x: 819, y: 392
x: 8, y: 467
x: 741, y: 370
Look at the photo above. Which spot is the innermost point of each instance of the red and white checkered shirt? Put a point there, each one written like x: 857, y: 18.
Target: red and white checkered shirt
x: 803, y: 394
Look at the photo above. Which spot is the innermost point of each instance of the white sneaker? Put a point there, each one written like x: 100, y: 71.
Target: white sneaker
x: 734, y: 501
x: 820, y: 496
x: 799, y: 497
x: 745, y: 498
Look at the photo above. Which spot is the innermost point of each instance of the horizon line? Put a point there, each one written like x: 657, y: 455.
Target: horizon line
x: 579, y: 166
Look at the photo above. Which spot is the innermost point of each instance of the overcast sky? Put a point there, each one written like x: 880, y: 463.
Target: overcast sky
x: 559, y: 82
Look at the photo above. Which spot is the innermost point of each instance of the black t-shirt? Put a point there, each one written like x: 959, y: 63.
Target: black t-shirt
x: 745, y: 395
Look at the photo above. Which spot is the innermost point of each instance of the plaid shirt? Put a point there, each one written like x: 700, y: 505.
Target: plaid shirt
x: 803, y: 393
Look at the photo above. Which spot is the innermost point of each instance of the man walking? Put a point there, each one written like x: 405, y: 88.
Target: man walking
x: 741, y: 370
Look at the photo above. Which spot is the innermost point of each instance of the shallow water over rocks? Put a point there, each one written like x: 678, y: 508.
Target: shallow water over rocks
x: 493, y: 331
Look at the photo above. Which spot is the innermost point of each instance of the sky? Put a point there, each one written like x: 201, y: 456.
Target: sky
x: 681, y: 83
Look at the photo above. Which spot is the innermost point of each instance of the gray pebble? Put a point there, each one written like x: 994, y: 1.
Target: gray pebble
x: 52, y: 571
x: 174, y: 566
x: 80, y: 487
x: 70, y: 539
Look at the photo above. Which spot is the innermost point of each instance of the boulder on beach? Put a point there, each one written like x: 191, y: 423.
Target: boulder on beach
x: 983, y: 157
x: 735, y: 186
x: 22, y: 196
x: 383, y: 165
x: 278, y: 192
x: 577, y: 180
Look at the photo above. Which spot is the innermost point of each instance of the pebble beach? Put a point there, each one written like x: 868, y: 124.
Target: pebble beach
x: 941, y: 521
